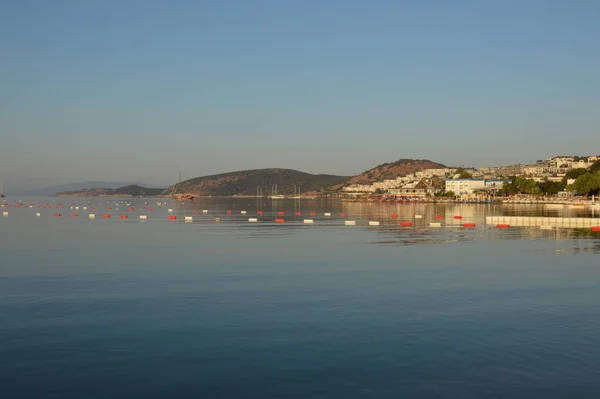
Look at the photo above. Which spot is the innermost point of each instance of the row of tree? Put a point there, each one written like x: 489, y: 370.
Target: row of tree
x: 587, y: 182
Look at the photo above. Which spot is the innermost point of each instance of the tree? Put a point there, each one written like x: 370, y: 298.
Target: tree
x: 551, y: 187
x: 575, y: 173
x: 463, y: 174
x: 379, y: 191
x: 595, y: 167
x: 520, y: 185
x: 588, y: 184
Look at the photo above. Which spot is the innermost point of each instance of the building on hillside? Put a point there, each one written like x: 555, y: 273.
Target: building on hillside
x: 420, y: 189
x: 462, y: 187
x: 359, y: 188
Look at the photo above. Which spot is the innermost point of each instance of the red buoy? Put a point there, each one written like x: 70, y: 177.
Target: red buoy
x: 313, y: 214
x: 439, y: 217
x: 131, y: 209
x: 281, y: 213
x: 406, y: 224
x: 260, y: 212
x: 502, y: 226
x: 195, y: 211
x: 279, y: 220
x: 457, y: 217
x: 596, y: 229
x: 471, y: 225
x: 172, y: 217
x: 298, y: 213
x: 394, y: 215
x: 124, y: 216
x: 343, y: 214
x: 74, y: 215
x: 229, y: 211
x: 106, y: 216
x: 57, y: 214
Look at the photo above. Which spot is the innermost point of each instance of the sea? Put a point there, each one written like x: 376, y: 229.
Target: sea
x: 219, y: 307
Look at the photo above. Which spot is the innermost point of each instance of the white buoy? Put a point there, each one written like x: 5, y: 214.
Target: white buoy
x: 143, y: 217
x: 85, y: 208
x: 92, y: 216
x: 373, y: 223
x: 188, y: 219
x: 253, y: 220
x: 418, y: 216
x: 4, y: 213
x: 244, y: 212
x: 205, y: 211
x: 308, y: 221
x: 170, y: 210
x: 38, y: 214
x: 77, y: 207
x: 350, y: 222
x: 435, y: 224
x: 546, y: 227
x: 327, y: 214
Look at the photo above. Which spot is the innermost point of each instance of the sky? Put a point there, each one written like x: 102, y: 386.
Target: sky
x: 137, y: 90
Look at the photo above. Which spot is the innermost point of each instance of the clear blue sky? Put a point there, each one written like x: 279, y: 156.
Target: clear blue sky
x: 136, y: 90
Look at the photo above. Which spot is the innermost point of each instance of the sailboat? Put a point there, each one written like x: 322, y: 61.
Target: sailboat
x: 1, y: 191
x: 275, y: 195
x: 296, y: 193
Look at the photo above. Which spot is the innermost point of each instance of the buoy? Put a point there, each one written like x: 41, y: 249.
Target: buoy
x: 260, y: 213
x: 229, y: 212
x: 77, y: 208
x: 457, y: 217
x: 150, y: 209
x: 131, y: 209
x: 85, y: 208
x: 343, y: 214
x: 327, y: 214
x: 172, y: 217
x: 4, y: 213
x: 109, y: 209
x: 373, y: 223
x: 394, y: 215
x: 195, y: 211
x: 124, y: 216
x: 546, y: 227
x: 439, y: 217
x: 205, y: 211
x: 188, y: 219
x: 91, y: 216
x: 435, y: 225
x: 38, y: 214
x: 406, y: 224
x: 106, y: 216
x: 170, y: 210
x: 350, y: 222
x: 469, y: 225
x: 418, y: 216
x: 143, y: 217
x: 281, y: 213
x: 313, y: 214
x: 244, y: 212
x: 502, y: 226
x: 57, y: 214
x: 253, y: 220
x: 279, y: 220
x: 298, y: 213
x: 308, y: 221
x: 217, y: 219
x: 74, y: 215
x: 595, y: 229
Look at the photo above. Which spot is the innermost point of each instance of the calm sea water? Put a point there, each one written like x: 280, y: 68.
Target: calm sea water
x: 113, y: 308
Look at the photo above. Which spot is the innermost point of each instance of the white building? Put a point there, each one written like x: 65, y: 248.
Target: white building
x: 469, y: 186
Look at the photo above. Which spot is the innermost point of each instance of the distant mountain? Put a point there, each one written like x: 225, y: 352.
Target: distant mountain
x: 402, y: 167
x: 245, y: 183
x: 81, y: 186
x: 131, y: 190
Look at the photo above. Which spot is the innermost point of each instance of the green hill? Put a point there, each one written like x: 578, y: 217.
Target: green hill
x: 135, y: 191
x: 246, y: 182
